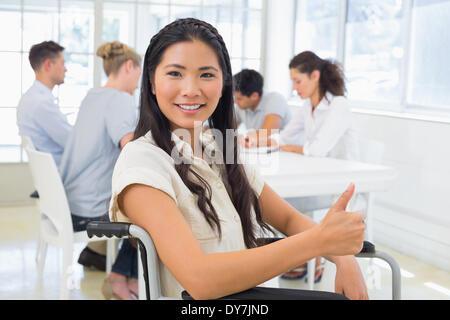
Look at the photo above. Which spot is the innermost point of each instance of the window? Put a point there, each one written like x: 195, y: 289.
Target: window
x: 316, y: 27
x: 429, y: 81
x: 239, y: 22
x: 394, y: 52
x: 72, y: 23
x: 374, y: 50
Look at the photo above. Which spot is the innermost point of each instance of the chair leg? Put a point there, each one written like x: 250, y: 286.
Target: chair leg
x: 66, y: 272
x: 38, y: 248
x: 42, y: 255
x: 39, y: 239
x: 111, y: 253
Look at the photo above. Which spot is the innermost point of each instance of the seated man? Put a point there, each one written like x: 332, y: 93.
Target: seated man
x: 262, y: 114
x: 38, y: 116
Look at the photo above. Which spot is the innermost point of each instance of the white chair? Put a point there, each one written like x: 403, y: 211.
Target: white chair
x: 56, y: 226
x: 26, y: 142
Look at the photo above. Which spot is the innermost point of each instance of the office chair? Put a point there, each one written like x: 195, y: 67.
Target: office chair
x: 56, y: 226
x: 27, y: 143
x: 150, y: 263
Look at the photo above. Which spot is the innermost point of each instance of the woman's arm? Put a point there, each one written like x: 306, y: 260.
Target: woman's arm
x: 292, y: 148
x: 293, y: 132
x: 209, y: 276
x: 259, y: 138
x: 279, y: 214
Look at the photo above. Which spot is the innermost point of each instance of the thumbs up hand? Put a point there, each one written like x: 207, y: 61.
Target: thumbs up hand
x: 342, y: 232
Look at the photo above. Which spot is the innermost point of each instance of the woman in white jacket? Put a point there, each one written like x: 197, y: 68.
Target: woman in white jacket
x: 325, y: 118
x: 322, y: 127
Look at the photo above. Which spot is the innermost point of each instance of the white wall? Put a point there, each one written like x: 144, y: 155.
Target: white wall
x: 413, y: 215
x: 15, y: 184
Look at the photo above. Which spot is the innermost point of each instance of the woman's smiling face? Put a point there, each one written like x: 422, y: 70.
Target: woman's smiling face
x: 188, y: 83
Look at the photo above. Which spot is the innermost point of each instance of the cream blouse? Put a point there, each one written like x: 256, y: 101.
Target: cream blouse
x: 143, y: 162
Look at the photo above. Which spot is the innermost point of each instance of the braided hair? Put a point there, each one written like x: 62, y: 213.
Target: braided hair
x: 152, y: 119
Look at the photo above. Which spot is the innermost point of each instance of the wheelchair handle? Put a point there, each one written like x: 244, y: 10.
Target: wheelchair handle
x: 108, y: 229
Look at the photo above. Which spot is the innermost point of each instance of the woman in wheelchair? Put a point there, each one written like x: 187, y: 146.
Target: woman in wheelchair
x: 201, y: 206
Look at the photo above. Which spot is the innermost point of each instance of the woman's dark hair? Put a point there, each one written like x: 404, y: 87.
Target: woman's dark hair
x: 331, y: 74
x: 223, y: 118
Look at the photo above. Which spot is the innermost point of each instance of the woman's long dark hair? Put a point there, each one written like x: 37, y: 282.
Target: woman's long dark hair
x: 223, y: 118
x: 331, y: 74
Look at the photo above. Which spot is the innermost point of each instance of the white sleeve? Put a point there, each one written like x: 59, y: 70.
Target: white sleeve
x: 139, y: 165
x: 293, y: 133
x: 337, y: 122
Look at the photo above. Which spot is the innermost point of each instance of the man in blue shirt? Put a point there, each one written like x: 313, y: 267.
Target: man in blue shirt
x: 38, y: 116
x: 262, y: 113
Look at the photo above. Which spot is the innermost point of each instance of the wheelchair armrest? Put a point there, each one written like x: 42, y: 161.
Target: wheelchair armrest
x: 108, y: 229
x: 368, y: 247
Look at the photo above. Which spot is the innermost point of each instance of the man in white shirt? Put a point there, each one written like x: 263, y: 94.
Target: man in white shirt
x: 38, y: 116
x: 262, y: 114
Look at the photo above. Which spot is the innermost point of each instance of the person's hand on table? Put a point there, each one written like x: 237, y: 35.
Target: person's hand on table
x: 292, y: 148
x: 251, y: 141
x: 241, y: 140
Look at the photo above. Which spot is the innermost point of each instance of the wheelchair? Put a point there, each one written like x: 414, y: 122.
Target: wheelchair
x: 150, y: 267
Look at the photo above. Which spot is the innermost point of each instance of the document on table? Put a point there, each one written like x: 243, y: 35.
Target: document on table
x: 260, y: 150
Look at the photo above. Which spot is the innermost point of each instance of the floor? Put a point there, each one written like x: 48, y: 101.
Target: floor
x: 18, y: 271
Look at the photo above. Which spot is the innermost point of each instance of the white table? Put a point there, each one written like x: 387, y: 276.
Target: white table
x: 294, y: 175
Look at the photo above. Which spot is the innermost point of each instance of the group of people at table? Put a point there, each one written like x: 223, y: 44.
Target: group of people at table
x: 117, y: 163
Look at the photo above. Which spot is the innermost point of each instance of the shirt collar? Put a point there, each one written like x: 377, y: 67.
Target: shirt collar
x: 324, y: 104
x: 42, y: 87
x: 258, y: 109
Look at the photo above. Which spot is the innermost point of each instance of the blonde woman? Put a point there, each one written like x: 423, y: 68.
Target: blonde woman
x: 105, y: 123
